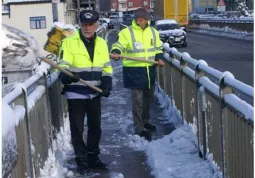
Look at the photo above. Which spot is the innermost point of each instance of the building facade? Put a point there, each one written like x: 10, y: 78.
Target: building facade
x: 37, y: 17
x: 129, y: 5
x: 105, y: 5
x: 210, y: 5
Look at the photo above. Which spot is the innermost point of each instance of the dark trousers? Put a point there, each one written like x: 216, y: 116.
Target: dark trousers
x: 141, y: 105
x: 77, y: 109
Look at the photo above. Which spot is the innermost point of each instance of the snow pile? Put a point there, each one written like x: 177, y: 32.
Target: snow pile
x: 116, y: 175
x: 176, y: 155
x: 170, y: 111
x: 19, y: 49
x: 62, y: 150
x: 10, y: 118
x: 136, y: 142
x: 64, y: 26
x: 225, y: 32
x: 242, y: 9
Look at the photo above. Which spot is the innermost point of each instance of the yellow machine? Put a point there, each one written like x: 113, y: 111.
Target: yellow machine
x: 173, y: 9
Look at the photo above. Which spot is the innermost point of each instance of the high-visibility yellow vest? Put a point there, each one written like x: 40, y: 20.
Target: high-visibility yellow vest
x: 74, y: 56
x: 144, y: 44
x: 135, y: 42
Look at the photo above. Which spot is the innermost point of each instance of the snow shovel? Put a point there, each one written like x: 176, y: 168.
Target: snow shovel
x: 138, y: 59
x: 50, y: 62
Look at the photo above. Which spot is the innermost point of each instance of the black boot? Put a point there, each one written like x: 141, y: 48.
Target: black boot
x: 82, y: 166
x: 150, y: 127
x: 83, y: 170
x: 146, y: 134
x: 96, y: 163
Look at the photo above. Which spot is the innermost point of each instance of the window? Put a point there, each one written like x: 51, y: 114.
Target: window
x: 114, y: 5
x: 152, y: 4
x: 5, y: 7
x: 123, y: 5
x: 38, y: 22
x: 130, y: 4
x: 4, y: 80
x: 145, y: 3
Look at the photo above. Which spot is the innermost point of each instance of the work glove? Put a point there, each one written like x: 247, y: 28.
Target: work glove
x: 75, y: 78
x: 105, y: 93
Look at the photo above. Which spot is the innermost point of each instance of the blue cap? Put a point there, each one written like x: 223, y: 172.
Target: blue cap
x: 89, y: 16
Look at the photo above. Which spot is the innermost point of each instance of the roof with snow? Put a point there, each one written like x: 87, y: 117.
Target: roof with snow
x: 19, y: 48
x: 166, y: 21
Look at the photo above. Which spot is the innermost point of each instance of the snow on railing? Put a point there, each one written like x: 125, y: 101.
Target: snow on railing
x: 35, y: 108
x: 223, y: 119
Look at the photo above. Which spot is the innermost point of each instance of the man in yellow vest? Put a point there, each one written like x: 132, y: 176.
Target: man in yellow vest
x: 86, y: 55
x: 140, y: 41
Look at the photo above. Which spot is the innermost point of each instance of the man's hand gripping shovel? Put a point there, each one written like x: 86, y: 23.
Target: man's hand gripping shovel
x: 48, y: 60
x: 117, y: 56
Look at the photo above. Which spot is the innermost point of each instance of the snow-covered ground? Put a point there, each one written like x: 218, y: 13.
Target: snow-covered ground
x: 174, y: 155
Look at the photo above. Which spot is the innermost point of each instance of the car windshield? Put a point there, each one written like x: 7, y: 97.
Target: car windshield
x: 113, y: 17
x: 167, y: 26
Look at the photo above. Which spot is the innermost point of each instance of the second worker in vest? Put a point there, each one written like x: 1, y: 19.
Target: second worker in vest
x: 141, y: 41
x: 86, y: 55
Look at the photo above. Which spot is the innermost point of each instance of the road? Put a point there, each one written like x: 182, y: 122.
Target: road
x: 223, y: 54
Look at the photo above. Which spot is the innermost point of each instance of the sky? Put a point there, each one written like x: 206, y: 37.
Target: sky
x: 180, y: 146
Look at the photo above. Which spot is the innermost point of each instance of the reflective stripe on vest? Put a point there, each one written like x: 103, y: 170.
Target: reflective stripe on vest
x: 133, y: 42
x: 154, y: 37
x: 95, y: 82
x: 86, y: 69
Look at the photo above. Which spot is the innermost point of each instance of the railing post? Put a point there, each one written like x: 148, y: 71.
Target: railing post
x: 201, y: 124
x: 203, y: 118
x: 171, y: 58
x: 32, y: 170
x: 223, y: 90
x: 183, y: 64
x: 44, y: 78
x: 167, y: 81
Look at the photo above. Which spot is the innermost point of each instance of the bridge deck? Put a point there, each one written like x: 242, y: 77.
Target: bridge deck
x: 117, y: 130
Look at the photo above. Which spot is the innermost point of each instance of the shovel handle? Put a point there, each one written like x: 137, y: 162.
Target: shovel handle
x: 138, y: 59
x: 50, y: 62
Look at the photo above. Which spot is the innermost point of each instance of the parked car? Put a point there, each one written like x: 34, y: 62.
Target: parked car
x: 127, y: 21
x: 106, y: 21
x: 114, y: 19
x: 170, y: 32
x: 103, y: 22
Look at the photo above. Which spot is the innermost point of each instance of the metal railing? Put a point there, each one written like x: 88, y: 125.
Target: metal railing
x: 205, y: 97
x: 44, y: 110
x: 43, y: 105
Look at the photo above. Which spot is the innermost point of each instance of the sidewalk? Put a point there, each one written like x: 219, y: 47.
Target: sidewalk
x: 130, y: 156
x: 117, y: 130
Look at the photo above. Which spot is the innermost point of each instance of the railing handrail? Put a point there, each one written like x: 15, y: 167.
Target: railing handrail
x: 202, y: 66
x: 27, y: 85
x: 206, y: 98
